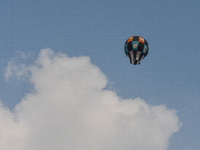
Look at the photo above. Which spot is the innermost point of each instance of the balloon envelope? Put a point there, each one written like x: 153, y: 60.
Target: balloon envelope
x: 136, y: 48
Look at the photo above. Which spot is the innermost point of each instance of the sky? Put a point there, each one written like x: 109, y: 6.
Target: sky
x: 65, y: 76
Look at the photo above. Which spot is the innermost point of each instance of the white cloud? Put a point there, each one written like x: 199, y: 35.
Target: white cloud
x: 70, y: 110
x: 15, y: 67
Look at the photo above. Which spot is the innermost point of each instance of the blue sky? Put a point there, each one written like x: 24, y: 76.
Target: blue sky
x: 169, y: 75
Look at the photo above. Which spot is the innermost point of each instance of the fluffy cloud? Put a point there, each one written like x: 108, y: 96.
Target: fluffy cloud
x: 70, y: 109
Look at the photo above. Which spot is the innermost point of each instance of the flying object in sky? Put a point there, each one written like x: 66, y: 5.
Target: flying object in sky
x: 136, y: 48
